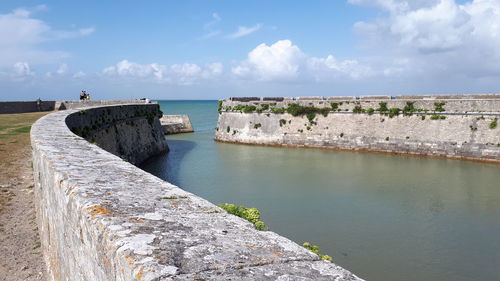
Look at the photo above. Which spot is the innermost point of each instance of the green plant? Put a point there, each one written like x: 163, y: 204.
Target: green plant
x: 256, y: 126
x: 409, y: 108
x: 437, y: 117
x: 394, y: 112
x: 278, y: 110
x: 249, y: 109
x: 219, y: 106
x: 244, y: 108
x: 334, y: 106
x: 386, y: 138
x: 438, y: 106
x: 382, y: 107
x: 370, y: 111
x: 264, y: 106
x: 250, y: 214
x: 282, y: 122
x: 423, y: 117
x: 358, y: 109
x: 315, y: 249
x: 298, y: 110
x: 228, y: 129
x: 310, y: 117
x: 493, y: 124
x: 341, y: 135
x: 169, y: 197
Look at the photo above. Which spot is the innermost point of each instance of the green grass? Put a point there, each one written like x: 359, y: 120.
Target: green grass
x: 6, y: 133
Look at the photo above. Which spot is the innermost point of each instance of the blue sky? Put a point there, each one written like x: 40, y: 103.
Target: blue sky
x: 215, y: 49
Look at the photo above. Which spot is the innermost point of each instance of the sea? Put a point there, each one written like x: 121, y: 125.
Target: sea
x: 383, y: 217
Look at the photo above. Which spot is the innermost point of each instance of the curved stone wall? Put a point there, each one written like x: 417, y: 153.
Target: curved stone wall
x: 102, y: 218
x: 453, y: 128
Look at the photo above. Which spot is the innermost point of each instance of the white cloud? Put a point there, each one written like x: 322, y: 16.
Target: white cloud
x: 86, y: 31
x: 21, y: 36
x: 209, y: 27
x: 63, y: 69
x: 437, y: 37
x: 79, y: 74
x: 21, y: 71
x: 244, y: 31
x: 283, y: 61
x: 179, y: 74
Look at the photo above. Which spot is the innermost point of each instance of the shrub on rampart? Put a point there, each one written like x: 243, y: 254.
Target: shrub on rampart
x: 250, y: 214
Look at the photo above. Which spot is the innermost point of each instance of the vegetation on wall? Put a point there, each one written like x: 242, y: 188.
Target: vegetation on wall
x: 282, y: 122
x: 438, y: 106
x: 493, y: 124
x: 315, y: 249
x: 219, y: 106
x: 250, y: 214
x: 437, y: 117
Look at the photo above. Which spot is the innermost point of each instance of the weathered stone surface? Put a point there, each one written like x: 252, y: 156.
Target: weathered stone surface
x: 102, y: 218
x: 76, y: 104
x: 176, y: 124
x: 132, y: 132
x: 464, y: 133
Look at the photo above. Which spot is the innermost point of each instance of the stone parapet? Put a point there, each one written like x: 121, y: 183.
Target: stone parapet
x: 102, y: 218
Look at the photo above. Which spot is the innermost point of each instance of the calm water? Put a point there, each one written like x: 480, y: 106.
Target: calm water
x: 385, y: 218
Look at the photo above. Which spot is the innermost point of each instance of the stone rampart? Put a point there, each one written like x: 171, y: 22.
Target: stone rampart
x: 457, y: 128
x: 76, y: 104
x: 10, y: 107
x: 176, y: 124
x: 102, y: 218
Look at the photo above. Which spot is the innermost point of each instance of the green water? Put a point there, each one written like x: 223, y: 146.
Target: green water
x: 383, y: 217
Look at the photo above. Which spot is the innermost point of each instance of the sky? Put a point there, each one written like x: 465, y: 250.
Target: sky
x: 214, y: 49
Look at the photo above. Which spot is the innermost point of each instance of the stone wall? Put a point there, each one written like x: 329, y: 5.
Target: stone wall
x: 75, y: 104
x: 102, y: 218
x: 176, y: 124
x: 10, y: 107
x: 461, y: 129
x: 132, y: 132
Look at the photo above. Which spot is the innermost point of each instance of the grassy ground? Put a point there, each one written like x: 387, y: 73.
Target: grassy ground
x: 20, y: 253
x: 14, y: 141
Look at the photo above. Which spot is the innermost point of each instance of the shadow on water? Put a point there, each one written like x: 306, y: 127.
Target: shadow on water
x: 167, y: 166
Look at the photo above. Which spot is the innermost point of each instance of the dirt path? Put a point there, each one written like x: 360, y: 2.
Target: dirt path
x: 20, y: 253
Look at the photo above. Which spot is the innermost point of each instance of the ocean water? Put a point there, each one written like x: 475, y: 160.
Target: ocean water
x: 383, y: 217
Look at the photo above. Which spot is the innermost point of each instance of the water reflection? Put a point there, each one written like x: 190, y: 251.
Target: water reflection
x: 383, y: 217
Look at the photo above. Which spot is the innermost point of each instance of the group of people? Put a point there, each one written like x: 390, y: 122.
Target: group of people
x: 84, y: 96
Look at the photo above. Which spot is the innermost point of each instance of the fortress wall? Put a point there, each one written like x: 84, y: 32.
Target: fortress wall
x: 75, y: 104
x: 176, y: 124
x: 11, y: 107
x: 450, y: 105
x: 102, y: 218
x: 459, y: 135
